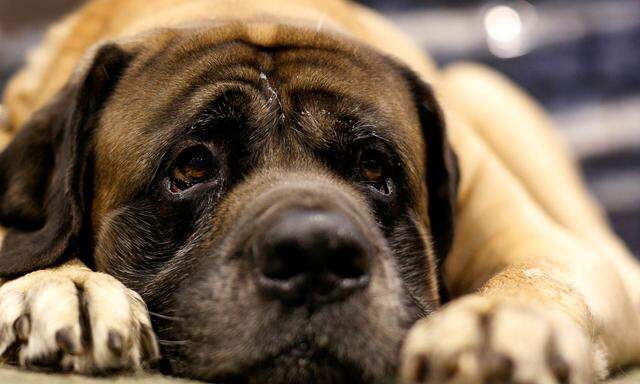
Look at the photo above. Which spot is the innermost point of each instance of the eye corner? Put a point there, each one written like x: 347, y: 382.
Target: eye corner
x: 385, y: 189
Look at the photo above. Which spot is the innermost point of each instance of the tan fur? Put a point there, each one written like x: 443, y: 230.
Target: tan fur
x: 528, y: 235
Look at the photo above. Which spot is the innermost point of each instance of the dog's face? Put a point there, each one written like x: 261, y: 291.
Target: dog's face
x: 276, y: 203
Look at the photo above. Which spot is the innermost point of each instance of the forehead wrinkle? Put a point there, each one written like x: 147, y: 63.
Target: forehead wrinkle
x: 334, y: 62
x: 181, y: 47
x: 242, y: 78
x: 189, y: 80
x: 179, y: 52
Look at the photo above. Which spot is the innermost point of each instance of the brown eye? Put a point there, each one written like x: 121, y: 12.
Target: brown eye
x: 371, y: 166
x: 193, y: 166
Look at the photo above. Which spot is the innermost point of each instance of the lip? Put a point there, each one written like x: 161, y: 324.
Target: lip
x: 301, y: 355
x: 308, y: 358
x: 305, y: 348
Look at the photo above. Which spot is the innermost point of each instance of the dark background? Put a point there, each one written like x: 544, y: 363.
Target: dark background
x: 579, y: 58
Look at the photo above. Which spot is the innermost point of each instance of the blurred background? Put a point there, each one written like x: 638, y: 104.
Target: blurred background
x: 579, y: 58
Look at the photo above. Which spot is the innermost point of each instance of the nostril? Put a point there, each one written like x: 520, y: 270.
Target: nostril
x: 349, y: 261
x: 283, y: 261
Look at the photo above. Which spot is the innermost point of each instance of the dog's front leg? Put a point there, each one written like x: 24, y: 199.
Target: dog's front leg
x: 526, y: 325
x: 538, y: 305
x: 71, y: 318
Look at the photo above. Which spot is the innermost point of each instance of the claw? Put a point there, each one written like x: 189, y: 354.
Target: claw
x: 115, y: 343
x: 498, y: 368
x: 420, y: 369
x: 451, y: 369
x: 151, y: 351
x: 66, y: 343
x: 22, y: 327
x: 560, y: 369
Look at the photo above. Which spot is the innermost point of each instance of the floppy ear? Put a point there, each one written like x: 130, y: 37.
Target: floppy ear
x: 44, y: 169
x: 442, y: 173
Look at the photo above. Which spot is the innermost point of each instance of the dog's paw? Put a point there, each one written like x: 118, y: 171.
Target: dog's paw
x: 73, y: 319
x: 475, y: 340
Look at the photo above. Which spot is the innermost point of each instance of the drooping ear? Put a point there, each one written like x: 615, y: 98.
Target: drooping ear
x: 44, y: 169
x: 442, y: 173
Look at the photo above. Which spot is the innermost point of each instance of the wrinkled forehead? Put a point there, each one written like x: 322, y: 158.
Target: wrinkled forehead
x: 271, y: 75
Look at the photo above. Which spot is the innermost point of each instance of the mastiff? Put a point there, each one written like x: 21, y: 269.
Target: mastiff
x: 291, y: 192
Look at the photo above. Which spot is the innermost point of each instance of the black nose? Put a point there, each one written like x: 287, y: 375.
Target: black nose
x: 314, y: 255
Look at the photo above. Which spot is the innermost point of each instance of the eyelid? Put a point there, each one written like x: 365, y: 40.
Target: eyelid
x: 374, y: 141
x: 387, y: 156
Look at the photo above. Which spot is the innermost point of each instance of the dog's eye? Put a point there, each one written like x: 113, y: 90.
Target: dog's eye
x: 371, y: 166
x: 191, y: 167
x: 374, y: 171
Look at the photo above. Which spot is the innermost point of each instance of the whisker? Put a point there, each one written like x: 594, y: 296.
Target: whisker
x: 166, y: 317
x: 173, y: 342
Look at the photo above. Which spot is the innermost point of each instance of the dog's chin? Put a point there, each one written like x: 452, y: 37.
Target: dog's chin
x: 305, y: 363
x: 302, y: 362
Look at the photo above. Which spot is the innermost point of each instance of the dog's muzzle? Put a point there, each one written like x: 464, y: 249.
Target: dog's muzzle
x: 309, y: 247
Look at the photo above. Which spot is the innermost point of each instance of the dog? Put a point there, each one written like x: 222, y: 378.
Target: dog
x: 291, y: 192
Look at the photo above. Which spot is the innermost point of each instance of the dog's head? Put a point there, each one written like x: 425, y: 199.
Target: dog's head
x: 282, y: 199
